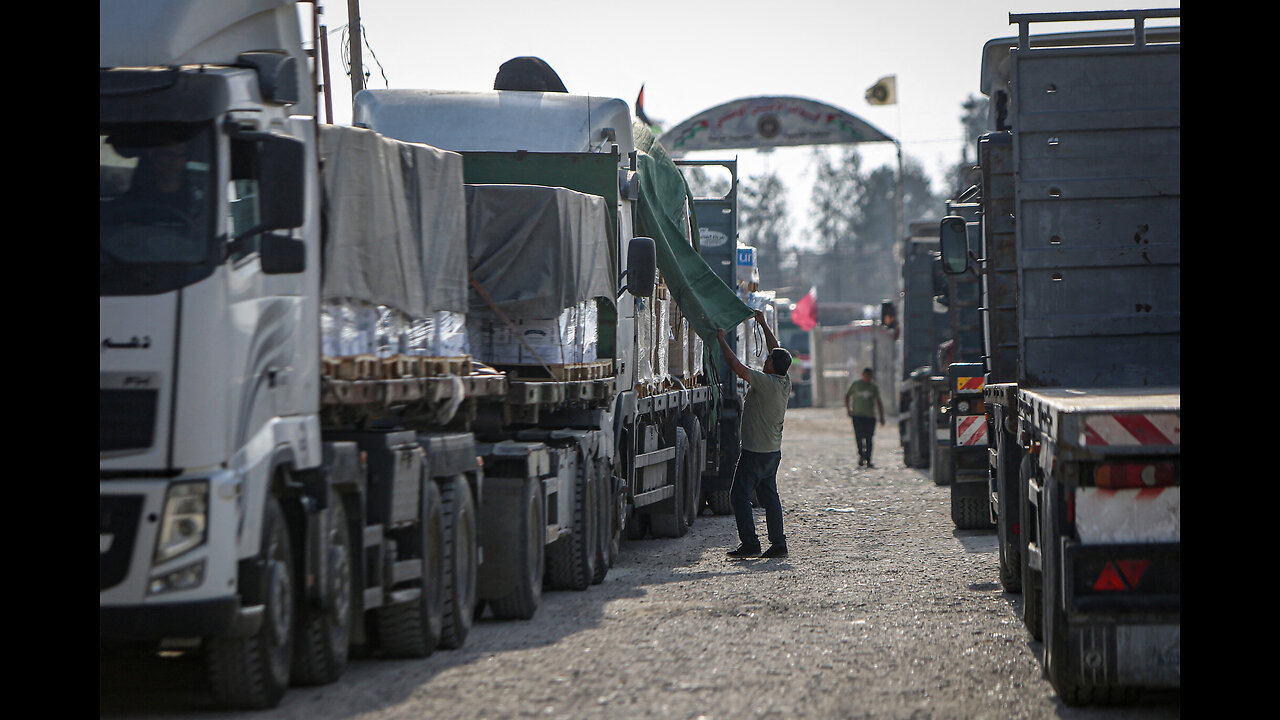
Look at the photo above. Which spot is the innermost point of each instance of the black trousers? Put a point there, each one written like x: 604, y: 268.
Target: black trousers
x: 758, y: 472
x: 863, y: 429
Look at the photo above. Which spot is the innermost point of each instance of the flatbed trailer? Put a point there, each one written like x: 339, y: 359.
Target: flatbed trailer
x: 1102, y: 521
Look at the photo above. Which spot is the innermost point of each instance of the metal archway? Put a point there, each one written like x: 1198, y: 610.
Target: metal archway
x: 769, y: 121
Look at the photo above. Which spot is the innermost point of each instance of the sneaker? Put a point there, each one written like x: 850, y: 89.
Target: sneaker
x: 743, y: 552
x: 869, y: 464
x: 775, y: 551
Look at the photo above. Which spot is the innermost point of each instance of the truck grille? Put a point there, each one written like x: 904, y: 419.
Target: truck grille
x: 127, y: 419
x: 118, y: 518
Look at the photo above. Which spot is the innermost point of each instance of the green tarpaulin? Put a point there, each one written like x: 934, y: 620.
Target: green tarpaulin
x: 704, y: 299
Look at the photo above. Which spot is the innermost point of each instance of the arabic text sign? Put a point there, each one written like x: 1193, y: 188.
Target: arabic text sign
x: 769, y: 122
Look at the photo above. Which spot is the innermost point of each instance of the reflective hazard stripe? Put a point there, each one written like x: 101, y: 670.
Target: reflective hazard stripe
x: 971, y: 430
x: 968, y: 383
x: 1133, y: 429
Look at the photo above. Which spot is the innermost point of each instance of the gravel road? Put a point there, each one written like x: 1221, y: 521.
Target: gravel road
x: 882, y: 610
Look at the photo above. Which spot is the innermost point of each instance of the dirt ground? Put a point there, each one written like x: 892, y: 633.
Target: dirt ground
x: 882, y: 610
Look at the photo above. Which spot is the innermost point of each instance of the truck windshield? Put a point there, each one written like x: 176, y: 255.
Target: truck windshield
x: 157, y: 194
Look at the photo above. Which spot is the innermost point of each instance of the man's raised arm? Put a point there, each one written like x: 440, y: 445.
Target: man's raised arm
x: 769, y: 340
x: 734, y: 363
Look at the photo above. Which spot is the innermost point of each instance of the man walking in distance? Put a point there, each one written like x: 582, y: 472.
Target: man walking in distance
x: 862, y: 403
x: 757, y: 470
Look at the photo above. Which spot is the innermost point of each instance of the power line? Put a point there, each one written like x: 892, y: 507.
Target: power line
x: 346, y: 50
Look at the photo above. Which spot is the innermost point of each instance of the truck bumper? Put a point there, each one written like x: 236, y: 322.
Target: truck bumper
x: 198, y: 618
x: 1124, y: 612
x: 1135, y: 655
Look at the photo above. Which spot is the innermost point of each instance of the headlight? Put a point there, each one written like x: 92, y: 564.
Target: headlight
x: 183, y: 525
x: 962, y: 406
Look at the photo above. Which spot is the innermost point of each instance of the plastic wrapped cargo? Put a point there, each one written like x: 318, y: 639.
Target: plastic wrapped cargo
x: 394, y: 280
x: 570, y: 337
x: 662, y: 336
x: 644, y: 340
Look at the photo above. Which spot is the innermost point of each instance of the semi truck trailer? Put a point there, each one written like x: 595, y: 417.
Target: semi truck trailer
x: 1080, y: 267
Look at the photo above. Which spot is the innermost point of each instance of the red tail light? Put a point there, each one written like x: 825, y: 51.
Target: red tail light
x: 1117, y: 476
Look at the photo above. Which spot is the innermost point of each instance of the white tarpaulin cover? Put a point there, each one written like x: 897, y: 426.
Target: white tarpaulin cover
x: 395, y: 219
x: 538, y: 250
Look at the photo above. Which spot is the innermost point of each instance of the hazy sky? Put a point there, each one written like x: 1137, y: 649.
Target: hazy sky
x: 692, y: 55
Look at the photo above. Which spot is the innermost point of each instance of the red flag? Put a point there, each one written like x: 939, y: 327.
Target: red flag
x: 805, y: 313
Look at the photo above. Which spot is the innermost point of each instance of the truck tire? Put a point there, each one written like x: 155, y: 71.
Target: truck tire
x: 253, y: 672
x: 693, y: 473
x: 720, y: 502
x: 671, y: 521
x: 617, y: 513
x: 602, y: 477
x: 1006, y: 479
x: 522, y: 602
x: 460, y: 562
x: 412, y: 629
x: 637, y: 523
x: 970, y: 508
x: 940, y: 463
x: 324, y: 634
x: 1059, y: 663
x: 1032, y: 610
x: 571, y: 559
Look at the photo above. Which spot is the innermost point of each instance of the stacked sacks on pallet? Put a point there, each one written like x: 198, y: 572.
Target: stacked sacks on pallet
x: 394, y: 247
x: 541, y: 260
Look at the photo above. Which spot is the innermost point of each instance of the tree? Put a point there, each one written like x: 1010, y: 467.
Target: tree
x: 973, y: 122
x: 855, y: 220
x: 763, y: 223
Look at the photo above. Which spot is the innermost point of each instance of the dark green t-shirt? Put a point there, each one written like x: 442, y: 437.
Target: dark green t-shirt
x: 862, y: 398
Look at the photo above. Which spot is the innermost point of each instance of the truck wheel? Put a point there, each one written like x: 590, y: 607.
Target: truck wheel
x: 693, y: 473
x: 637, y: 523
x: 601, y: 478
x: 460, y: 562
x: 324, y: 634
x: 1032, y: 610
x: 1010, y: 556
x: 940, y: 464
x: 617, y: 514
x: 571, y: 559
x: 1057, y: 664
x: 671, y: 521
x: 253, y: 672
x: 413, y: 628
x: 720, y: 502
x: 522, y: 602
x: 970, y: 509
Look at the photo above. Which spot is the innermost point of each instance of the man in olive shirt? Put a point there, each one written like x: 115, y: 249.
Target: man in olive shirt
x: 757, y: 470
x: 862, y: 402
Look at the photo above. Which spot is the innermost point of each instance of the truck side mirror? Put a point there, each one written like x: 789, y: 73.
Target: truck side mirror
x: 953, y: 240
x: 283, y: 182
x: 281, y: 254
x: 642, y: 266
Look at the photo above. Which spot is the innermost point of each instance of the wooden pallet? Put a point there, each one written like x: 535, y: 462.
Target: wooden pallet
x: 396, y: 367
x: 597, y: 370
x: 438, y: 366
x: 351, y: 367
